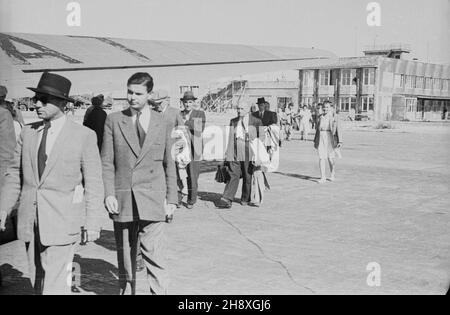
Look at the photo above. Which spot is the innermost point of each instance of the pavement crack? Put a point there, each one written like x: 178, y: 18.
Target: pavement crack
x: 261, y: 250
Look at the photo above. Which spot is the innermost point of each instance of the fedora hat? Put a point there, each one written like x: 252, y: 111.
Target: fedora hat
x: 261, y: 100
x: 158, y: 96
x: 188, y: 96
x: 54, y: 85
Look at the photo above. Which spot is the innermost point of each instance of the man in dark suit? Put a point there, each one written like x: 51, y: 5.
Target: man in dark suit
x: 95, y: 118
x: 52, y: 159
x: 243, y: 129
x: 8, y: 141
x: 267, y: 117
x: 195, y: 121
x: 140, y: 185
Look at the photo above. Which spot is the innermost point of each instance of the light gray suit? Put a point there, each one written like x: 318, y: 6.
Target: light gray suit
x: 141, y: 179
x: 49, y: 216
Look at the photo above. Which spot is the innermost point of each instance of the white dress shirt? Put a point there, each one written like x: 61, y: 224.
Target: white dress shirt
x: 144, y: 119
x: 242, y: 127
x: 53, y: 132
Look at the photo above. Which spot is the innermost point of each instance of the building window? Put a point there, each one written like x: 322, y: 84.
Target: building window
x: 344, y: 104
x: 308, y: 78
x: 411, y: 105
x: 324, y: 77
x: 283, y: 102
x: 308, y: 101
x: 419, y: 82
x: 409, y: 82
x: 348, y: 76
x: 436, y: 84
x: 445, y: 85
x: 323, y: 99
x: 428, y: 84
x: 398, y: 81
x: 369, y: 76
x: 367, y: 103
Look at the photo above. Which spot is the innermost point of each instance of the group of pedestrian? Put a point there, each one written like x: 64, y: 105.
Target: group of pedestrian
x: 140, y: 164
x: 248, y: 126
x: 126, y: 166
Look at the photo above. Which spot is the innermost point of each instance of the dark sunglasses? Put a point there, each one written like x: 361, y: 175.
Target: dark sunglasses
x: 41, y: 98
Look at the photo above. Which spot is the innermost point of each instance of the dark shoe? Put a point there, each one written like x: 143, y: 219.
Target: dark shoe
x: 256, y: 205
x: 224, y: 204
x: 190, y: 206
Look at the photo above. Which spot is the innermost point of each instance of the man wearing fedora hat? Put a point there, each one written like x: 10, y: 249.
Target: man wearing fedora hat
x: 267, y: 117
x: 195, y: 121
x: 53, y: 158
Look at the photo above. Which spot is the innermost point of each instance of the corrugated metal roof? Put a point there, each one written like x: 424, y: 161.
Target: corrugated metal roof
x: 104, y: 64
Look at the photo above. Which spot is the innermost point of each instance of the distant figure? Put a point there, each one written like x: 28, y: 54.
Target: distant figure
x: 195, y: 121
x: 305, y: 122
x: 95, y: 118
x: 286, y: 120
x: 328, y: 138
x: 267, y: 117
x: 243, y: 129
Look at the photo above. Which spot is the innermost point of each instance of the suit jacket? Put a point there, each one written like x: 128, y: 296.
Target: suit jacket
x: 254, y: 132
x: 196, y: 125
x: 7, y: 143
x: 335, y: 127
x: 148, y: 174
x: 173, y: 117
x: 56, y: 197
x: 95, y: 120
x: 269, y: 117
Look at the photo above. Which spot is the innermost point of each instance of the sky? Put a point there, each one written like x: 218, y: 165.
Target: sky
x: 339, y: 26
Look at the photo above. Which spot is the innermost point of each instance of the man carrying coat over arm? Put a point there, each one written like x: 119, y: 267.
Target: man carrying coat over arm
x: 140, y: 185
x: 52, y: 159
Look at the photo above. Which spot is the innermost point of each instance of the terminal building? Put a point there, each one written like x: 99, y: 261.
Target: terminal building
x: 381, y: 85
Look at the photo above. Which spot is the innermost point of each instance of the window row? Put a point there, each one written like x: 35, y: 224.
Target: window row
x: 348, y: 77
x: 415, y: 82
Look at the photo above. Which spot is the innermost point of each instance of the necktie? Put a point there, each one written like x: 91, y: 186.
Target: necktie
x: 140, y: 131
x: 42, y: 155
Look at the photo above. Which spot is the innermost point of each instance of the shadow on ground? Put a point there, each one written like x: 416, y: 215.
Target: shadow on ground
x: 213, y: 197
x: 298, y: 176
x: 97, y: 276
x: 107, y: 240
x: 14, y: 283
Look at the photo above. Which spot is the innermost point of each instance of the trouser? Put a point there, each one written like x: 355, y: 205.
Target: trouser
x: 238, y: 170
x: 193, y: 171
x: 149, y: 236
x: 50, y: 266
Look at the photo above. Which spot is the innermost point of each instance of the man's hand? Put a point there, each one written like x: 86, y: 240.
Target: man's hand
x: 3, y: 216
x: 170, y: 209
x: 112, y: 205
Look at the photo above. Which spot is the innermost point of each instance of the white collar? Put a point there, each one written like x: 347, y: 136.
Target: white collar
x: 56, y: 123
x: 144, y: 111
